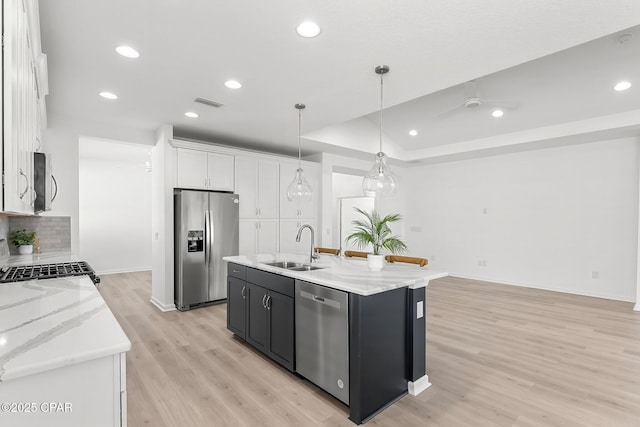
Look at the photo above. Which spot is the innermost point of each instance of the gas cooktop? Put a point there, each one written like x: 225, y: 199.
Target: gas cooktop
x: 48, y: 271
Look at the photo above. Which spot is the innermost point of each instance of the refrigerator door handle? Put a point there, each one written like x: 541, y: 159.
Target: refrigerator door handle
x: 206, y: 236
x: 212, y: 234
x: 210, y: 237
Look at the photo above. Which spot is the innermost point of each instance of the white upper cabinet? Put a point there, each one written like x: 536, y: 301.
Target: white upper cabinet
x: 303, y: 209
x: 257, y: 185
x: 192, y: 169
x: 220, y: 170
x: 204, y: 170
x: 24, y: 85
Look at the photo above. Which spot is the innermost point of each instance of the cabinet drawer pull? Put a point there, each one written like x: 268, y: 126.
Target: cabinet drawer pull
x: 244, y: 292
x: 264, y: 301
x: 269, y: 302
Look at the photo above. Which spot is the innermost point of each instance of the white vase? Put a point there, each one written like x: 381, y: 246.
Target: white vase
x: 25, y: 249
x: 376, y: 262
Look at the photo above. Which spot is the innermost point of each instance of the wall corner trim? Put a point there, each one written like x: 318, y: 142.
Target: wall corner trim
x: 162, y: 307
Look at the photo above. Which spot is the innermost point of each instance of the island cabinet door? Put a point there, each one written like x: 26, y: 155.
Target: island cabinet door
x: 257, y: 316
x: 281, y: 332
x: 236, y: 306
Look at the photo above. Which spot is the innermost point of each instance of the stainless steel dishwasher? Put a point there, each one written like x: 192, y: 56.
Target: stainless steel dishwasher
x: 322, y: 337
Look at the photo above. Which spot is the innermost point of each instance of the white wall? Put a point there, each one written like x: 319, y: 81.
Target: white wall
x: 61, y: 141
x: 114, y: 206
x: 554, y: 218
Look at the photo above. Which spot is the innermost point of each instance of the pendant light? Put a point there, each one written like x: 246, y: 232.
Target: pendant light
x: 299, y: 189
x: 380, y: 180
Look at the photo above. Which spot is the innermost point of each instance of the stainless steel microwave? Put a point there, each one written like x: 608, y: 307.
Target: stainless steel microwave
x: 44, y: 183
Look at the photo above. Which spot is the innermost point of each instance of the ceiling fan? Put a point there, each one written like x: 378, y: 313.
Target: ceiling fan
x: 473, y: 101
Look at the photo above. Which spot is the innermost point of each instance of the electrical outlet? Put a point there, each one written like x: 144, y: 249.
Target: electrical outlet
x: 595, y: 274
x: 416, y: 229
x: 485, y: 211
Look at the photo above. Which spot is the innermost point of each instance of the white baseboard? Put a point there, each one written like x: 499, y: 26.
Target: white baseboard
x: 546, y: 288
x: 418, y: 386
x: 162, y: 307
x: 637, y: 306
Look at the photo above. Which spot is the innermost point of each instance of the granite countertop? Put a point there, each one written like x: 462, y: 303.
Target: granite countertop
x: 346, y: 274
x: 52, y: 323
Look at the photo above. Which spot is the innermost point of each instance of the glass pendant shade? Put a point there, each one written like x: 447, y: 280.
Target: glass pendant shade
x: 299, y: 189
x: 380, y: 180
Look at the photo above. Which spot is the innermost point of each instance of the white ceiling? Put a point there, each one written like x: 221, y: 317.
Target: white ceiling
x: 189, y: 48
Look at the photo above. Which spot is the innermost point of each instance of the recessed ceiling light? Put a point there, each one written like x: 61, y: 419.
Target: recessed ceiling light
x: 232, y: 84
x: 413, y: 132
x: 622, y: 86
x: 497, y: 113
x: 192, y: 114
x: 108, y: 95
x: 308, y: 29
x: 128, y: 51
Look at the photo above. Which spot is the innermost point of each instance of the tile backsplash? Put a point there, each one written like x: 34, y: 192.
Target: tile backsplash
x: 53, y: 233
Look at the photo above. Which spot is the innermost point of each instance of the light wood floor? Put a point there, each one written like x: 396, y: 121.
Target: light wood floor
x: 498, y: 355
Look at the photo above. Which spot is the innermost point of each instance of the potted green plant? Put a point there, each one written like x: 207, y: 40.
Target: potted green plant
x: 24, y: 240
x: 375, y: 231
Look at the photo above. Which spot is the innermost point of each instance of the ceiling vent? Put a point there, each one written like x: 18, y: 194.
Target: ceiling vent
x: 209, y: 102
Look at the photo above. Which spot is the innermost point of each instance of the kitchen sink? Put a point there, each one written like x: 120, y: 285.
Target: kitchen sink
x: 294, y: 266
x: 285, y: 264
x: 306, y: 268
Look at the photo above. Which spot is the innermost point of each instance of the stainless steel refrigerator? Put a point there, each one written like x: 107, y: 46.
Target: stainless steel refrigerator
x: 205, y: 230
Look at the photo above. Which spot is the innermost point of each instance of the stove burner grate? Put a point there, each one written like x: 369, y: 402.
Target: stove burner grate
x: 48, y: 271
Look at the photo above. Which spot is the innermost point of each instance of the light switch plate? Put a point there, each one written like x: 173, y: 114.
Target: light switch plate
x: 420, y: 310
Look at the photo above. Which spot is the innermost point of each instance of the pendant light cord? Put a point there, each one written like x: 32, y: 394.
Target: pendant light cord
x: 299, y: 137
x: 381, y: 104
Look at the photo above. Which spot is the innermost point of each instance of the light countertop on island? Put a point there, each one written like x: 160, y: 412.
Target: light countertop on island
x: 346, y: 274
x: 52, y: 323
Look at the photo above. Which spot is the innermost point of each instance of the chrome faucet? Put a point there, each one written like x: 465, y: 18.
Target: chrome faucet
x: 312, y: 256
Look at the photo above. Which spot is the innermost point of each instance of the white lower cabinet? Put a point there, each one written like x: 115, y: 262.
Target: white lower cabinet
x: 289, y: 231
x: 258, y: 236
x: 91, y: 393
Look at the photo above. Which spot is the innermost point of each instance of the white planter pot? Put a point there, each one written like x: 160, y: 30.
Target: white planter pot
x: 25, y: 249
x: 376, y: 262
